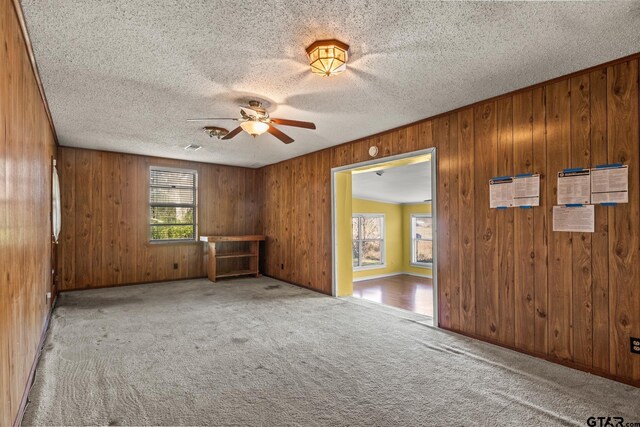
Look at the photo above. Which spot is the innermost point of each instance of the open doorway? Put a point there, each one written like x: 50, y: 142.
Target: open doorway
x: 384, y: 232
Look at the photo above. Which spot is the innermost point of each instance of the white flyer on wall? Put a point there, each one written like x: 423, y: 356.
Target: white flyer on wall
x: 574, y: 187
x: 501, y: 192
x: 580, y: 219
x: 526, y: 190
x: 610, y: 184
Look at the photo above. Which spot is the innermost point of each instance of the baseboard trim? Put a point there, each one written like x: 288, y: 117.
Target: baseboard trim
x: 428, y: 276
x: 546, y: 357
x: 382, y: 276
x: 32, y: 373
x: 320, y: 291
x: 377, y: 276
x: 88, y: 288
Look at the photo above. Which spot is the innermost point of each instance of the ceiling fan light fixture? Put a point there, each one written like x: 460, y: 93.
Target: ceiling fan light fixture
x: 214, y: 131
x: 328, y: 57
x: 254, y: 127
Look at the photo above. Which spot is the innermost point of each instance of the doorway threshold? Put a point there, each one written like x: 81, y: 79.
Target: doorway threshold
x: 422, y: 319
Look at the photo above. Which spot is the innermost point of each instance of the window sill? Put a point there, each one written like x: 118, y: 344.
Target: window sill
x: 370, y: 267
x: 422, y: 265
x: 172, y: 242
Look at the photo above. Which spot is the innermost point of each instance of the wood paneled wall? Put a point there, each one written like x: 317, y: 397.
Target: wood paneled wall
x: 105, y: 219
x: 26, y: 150
x: 504, y: 276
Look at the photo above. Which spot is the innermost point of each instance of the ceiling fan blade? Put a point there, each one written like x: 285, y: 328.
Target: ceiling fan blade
x: 296, y: 123
x: 232, y: 133
x: 212, y: 118
x: 279, y: 134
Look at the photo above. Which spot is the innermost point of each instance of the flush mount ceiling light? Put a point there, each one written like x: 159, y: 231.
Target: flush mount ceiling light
x: 254, y: 127
x: 328, y: 57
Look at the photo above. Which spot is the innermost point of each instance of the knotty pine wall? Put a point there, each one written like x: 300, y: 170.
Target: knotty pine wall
x: 26, y: 150
x: 105, y: 218
x: 504, y: 276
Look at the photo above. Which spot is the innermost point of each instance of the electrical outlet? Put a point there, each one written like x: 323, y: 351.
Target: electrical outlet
x: 175, y: 265
x: 635, y: 345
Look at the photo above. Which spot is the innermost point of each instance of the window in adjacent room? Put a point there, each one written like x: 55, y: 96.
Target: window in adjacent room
x: 367, y: 240
x: 422, y: 240
x: 172, y: 204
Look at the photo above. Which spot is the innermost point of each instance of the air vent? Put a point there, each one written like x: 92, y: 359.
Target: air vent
x: 192, y: 147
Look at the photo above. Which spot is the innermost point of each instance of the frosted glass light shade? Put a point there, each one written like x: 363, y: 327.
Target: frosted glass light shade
x: 328, y: 57
x: 254, y: 127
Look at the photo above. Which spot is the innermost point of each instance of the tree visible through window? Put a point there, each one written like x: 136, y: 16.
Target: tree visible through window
x: 172, y: 204
x: 422, y: 239
x: 367, y: 240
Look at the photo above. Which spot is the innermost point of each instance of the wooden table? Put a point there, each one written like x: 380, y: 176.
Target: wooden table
x: 240, y: 257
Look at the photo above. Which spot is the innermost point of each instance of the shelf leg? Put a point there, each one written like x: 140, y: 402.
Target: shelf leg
x: 211, y: 268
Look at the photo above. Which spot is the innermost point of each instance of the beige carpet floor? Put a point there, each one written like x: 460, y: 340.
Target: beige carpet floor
x: 258, y: 352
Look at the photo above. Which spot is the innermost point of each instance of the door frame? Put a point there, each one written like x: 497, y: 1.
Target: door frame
x: 334, y: 237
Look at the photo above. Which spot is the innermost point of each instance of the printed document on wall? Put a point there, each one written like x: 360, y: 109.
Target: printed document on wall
x: 610, y: 185
x: 574, y: 187
x: 526, y: 190
x: 501, y: 193
x: 580, y: 219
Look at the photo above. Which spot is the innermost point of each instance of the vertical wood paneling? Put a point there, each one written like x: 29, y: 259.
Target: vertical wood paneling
x: 454, y: 221
x: 6, y: 414
x: 95, y: 246
x: 26, y: 151
x: 82, y: 217
x: 504, y: 226
x: 600, y: 239
x: 106, y: 212
x: 67, y: 162
x: 582, y: 310
x: 624, y: 220
x: 466, y: 206
x: 131, y: 195
x: 441, y: 135
x: 541, y: 222
x: 560, y: 253
x: 523, y: 239
x: 505, y: 276
x: 325, y: 283
x: 487, y: 295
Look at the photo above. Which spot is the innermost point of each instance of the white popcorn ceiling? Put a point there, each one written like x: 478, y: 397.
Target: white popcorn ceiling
x: 125, y: 75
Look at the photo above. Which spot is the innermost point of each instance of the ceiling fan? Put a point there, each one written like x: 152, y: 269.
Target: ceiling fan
x: 255, y: 121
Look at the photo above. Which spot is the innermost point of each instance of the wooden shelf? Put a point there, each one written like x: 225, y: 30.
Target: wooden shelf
x: 235, y: 273
x: 241, y: 256
x: 235, y: 255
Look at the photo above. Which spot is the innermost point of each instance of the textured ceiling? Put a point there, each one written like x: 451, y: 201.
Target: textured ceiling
x: 400, y: 184
x: 124, y: 75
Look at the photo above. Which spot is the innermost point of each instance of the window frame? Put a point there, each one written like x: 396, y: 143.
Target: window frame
x: 414, y: 262
x: 383, y: 243
x: 151, y: 205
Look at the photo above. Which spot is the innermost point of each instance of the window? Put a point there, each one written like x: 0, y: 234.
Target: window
x: 422, y: 240
x: 172, y: 204
x: 367, y: 240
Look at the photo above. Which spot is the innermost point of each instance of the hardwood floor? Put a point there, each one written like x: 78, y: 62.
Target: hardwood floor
x: 402, y: 291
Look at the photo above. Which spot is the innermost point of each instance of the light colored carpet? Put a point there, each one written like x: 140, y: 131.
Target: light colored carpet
x: 261, y: 352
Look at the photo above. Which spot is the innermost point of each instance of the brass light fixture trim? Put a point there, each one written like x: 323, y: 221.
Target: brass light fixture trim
x: 328, y: 57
